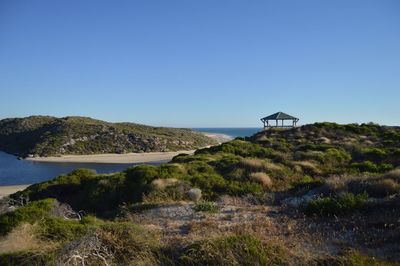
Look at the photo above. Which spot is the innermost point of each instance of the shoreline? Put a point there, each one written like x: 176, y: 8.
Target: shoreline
x: 8, y: 190
x: 113, y: 158
x: 221, y: 138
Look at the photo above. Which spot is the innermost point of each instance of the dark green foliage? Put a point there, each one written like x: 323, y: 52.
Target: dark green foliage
x: 176, y: 192
x: 138, y: 179
x: 49, y: 226
x: 371, y: 154
x: 28, y: 258
x: 232, y: 250
x: 29, y: 213
x: 83, y: 190
x: 59, y: 229
x: 305, y: 184
x: 368, y: 166
x: 338, y: 205
x: 241, y: 148
x: 337, y: 156
x: 205, y: 206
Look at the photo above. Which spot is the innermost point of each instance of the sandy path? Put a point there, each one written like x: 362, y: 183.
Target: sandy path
x: 113, y: 158
x: 7, y: 190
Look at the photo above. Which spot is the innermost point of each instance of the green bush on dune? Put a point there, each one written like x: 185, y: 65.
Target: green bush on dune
x: 339, y: 205
x: 30, y: 213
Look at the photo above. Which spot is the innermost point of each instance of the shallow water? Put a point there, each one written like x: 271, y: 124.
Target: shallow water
x: 18, y: 172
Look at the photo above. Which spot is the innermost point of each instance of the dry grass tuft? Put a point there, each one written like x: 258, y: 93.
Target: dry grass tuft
x: 309, y: 167
x: 21, y: 238
x: 261, y: 178
x: 161, y: 184
x: 374, y: 186
x: 383, y: 187
x: 258, y: 165
x: 340, y: 183
x: 253, y: 164
x: 394, y: 174
x: 272, y: 167
x: 324, y: 140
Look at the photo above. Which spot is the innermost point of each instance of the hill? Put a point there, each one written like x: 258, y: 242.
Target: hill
x: 51, y: 136
x: 321, y: 194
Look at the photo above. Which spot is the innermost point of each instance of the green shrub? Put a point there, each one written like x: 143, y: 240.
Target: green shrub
x: 305, y: 184
x: 236, y: 188
x: 29, y: 213
x: 339, y: 205
x: 371, y: 154
x: 205, y: 206
x: 175, y: 192
x: 368, y: 166
x: 59, y: 229
x: 241, y: 148
x: 314, y: 147
x: 211, y: 185
x: 337, y: 156
x: 28, y: 258
x: 83, y: 190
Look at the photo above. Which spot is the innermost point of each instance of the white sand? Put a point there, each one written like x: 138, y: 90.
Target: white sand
x: 145, y: 157
x: 7, y: 190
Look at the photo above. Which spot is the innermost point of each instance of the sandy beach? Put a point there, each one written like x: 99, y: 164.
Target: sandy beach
x: 221, y: 138
x: 146, y: 157
x: 7, y: 190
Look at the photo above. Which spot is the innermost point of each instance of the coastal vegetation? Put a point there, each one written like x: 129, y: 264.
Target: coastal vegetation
x: 320, y: 194
x: 50, y: 136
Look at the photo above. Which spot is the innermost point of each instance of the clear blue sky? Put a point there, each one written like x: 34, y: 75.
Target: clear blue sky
x: 201, y: 63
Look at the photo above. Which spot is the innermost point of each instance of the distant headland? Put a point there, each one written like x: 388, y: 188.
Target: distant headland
x: 45, y: 136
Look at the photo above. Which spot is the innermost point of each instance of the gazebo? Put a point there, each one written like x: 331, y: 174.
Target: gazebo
x: 279, y: 116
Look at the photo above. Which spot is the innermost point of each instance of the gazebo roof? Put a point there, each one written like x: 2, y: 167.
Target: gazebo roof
x: 279, y: 116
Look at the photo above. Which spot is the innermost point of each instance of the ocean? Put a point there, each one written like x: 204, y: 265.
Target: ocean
x: 20, y: 172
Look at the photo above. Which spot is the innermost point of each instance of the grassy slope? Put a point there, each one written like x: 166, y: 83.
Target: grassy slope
x: 352, y: 168
x: 47, y: 136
